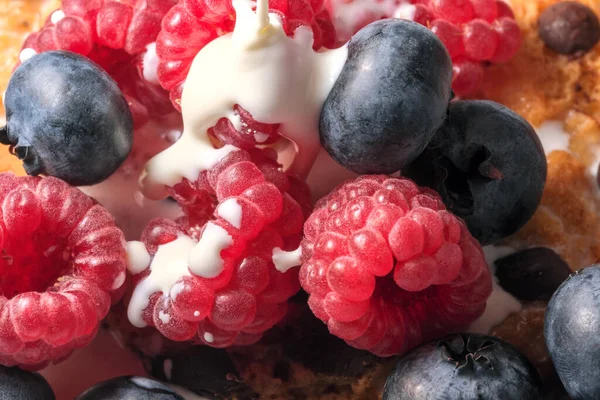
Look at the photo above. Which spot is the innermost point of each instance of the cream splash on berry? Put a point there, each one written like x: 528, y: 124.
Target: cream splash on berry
x: 277, y: 79
x: 211, y: 276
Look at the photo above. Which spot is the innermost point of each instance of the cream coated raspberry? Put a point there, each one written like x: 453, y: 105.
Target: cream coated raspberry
x: 387, y: 267
x: 192, y: 24
x: 63, y: 261
x: 257, y: 208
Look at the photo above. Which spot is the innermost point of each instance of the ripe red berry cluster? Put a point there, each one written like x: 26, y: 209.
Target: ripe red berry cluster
x: 249, y: 296
x: 475, y: 32
x: 387, y: 267
x: 63, y: 261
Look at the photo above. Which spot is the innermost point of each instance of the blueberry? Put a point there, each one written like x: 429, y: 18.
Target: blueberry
x: 203, y: 370
x: 532, y: 274
x: 463, y: 367
x: 129, y: 388
x: 16, y: 384
x: 572, y: 333
x: 389, y: 99
x: 488, y: 165
x: 67, y: 118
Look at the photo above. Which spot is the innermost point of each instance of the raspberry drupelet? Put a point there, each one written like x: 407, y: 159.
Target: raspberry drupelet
x: 227, y: 290
x: 388, y: 268
x: 475, y: 32
x: 63, y: 263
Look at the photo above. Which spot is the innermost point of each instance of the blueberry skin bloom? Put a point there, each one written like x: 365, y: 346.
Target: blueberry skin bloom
x: 463, y: 367
x: 572, y: 333
x: 389, y: 99
x: 17, y: 384
x: 67, y: 118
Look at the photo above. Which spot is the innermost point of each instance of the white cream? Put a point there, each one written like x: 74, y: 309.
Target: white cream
x: 500, y: 304
x: 348, y: 16
x: 276, y: 78
x: 285, y: 260
x: 231, y: 211
x: 164, y: 317
x: 406, y: 11
x: 205, y: 258
x: 150, y: 64
x: 169, y: 264
x: 260, y: 137
x: 26, y: 54
x: 138, y: 257
x: 553, y: 136
x: 57, y: 16
x: 209, y: 337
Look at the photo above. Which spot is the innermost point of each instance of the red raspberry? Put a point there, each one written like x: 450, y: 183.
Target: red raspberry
x: 253, y: 134
x: 387, y: 267
x: 115, y: 35
x: 192, y: 24
x: 63, y: 261
x: 474, y: 31
x: 258, y: 208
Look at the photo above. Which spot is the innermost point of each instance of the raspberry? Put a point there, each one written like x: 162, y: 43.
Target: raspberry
x: 467, y: 76
x: 475, y: 32
x: 252, y: 134
x: 192, y: 24
x: 116, y: 36
x: 63, y: 261
x: 387, y: 267
x: 239, y: 212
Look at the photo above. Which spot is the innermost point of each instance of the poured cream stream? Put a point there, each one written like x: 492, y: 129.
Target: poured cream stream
x: 279, y: 80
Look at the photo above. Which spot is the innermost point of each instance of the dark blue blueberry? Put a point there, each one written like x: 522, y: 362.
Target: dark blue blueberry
x: 532, y: 274
x: 463, y: 367
x: 67, y: 118
x: 16, y: 384
x: 572, y: 332
x: 389, y: 99
x: 488, y: 165
x: 130, y: 388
